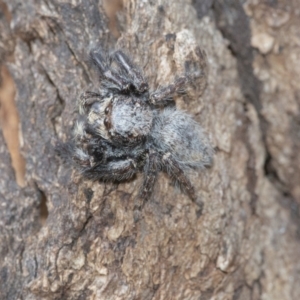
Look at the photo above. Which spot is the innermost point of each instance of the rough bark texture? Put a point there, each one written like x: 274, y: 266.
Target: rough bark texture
x: 245, y: 245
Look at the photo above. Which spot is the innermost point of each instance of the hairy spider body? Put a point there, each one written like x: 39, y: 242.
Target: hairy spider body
x: 124, y: 129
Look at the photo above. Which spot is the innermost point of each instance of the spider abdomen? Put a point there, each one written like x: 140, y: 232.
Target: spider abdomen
x: 176, y: 132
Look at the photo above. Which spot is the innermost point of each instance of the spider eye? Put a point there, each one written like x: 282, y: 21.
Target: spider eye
x: 107, y: 123
x: 107, y: 110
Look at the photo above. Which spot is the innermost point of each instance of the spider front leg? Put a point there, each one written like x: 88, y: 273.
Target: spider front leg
x: 138, y: 81
x: 163, y: 96
x: 111, y: 79
x: 87, y: 99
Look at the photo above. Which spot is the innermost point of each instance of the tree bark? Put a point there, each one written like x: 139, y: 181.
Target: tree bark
x: 245, y: 244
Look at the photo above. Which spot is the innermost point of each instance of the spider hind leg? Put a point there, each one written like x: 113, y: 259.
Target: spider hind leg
x: 175, y: 171
x: 151, y: 169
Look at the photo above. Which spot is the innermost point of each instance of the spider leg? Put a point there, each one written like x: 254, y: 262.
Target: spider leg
x: 151, y: 169
x: 92, y: 166
x: 111, y: 79
x: 87, y: 99
x: 89, y: 94
x: 117, y: 170
x: 163, y: 96
x: 174, y: 169
x: 124, y: 62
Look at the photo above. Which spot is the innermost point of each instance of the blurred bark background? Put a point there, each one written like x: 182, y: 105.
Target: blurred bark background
x: 65, y: 238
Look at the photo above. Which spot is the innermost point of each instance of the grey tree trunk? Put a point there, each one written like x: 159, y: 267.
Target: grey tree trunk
x: 245, y: 245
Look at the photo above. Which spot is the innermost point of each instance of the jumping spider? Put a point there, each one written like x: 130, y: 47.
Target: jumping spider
x: 124, y: 129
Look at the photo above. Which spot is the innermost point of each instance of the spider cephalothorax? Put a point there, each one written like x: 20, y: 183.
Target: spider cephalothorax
x: 123, y: 129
